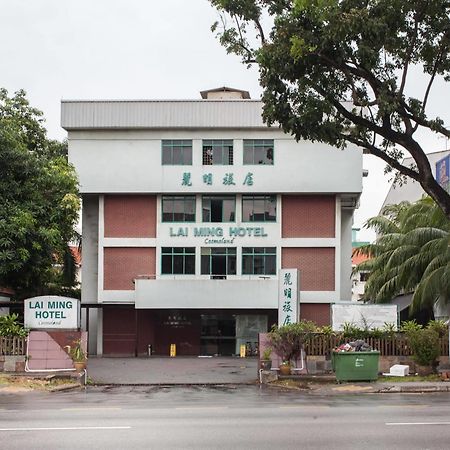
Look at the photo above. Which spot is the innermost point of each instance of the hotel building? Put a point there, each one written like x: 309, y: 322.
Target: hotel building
x: 190, y: 208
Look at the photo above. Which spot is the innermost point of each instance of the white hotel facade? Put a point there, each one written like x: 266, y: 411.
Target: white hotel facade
x: 190, y: 208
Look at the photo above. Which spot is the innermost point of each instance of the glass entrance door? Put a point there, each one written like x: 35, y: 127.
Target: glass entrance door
x: 218, y: 335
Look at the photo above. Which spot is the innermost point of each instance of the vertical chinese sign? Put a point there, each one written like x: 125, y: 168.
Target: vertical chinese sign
x: 288, y: 301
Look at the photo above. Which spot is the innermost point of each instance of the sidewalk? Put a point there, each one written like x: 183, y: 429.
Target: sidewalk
x: 176, y: 371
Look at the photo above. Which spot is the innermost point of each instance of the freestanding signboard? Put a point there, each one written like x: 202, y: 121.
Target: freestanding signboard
x: 52, y: 311
x: 288, y: 299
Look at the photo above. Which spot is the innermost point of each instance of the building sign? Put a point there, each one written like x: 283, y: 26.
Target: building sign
x: 288, y: 299
x: 227, y: 179
x: 218, y: 235
x: 52, y: 311
x: 443, y: 173
x: 363, y: 316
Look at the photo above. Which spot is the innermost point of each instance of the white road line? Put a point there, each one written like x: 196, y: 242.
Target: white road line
x: 200, y: 408
x: 92, y: 409
x: 416, y: 423
x: 64, y: 428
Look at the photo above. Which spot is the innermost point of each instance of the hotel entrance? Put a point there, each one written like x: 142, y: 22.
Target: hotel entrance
x: 223, y: 334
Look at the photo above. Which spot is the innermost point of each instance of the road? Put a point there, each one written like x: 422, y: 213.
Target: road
x: 241, y: 417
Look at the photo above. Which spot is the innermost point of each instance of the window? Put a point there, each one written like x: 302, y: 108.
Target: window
x: 178, y: 208
x: 259, y: 261
x: 218, y: 152
x: 218, y: 261
x: 178, y: 261
x: 258, y: 151
x: 218, y: 208
x: 176, y: 152
x: 259, y: 208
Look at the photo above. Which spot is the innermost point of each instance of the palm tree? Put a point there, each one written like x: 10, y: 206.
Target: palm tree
x: 410, y: 255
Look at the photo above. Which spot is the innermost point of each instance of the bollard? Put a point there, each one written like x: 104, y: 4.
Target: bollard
x: 173, y: 350
x: 242, y: 351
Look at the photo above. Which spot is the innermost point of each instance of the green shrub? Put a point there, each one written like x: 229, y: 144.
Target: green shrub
x: 424, y: 345
x: 10, y: 326
x: 439, y: 326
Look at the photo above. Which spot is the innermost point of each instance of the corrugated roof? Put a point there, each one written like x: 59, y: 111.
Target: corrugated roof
x: 116, y: 114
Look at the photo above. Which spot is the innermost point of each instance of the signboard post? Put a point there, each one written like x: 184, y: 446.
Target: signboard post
x: 288, y: 298
x: 52, y: 311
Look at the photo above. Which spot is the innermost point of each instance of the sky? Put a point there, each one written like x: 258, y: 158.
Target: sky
x: 143, y: 49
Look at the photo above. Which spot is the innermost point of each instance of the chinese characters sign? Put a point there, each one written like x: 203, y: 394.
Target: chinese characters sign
x: 288, y: 302
x: 227, y: 180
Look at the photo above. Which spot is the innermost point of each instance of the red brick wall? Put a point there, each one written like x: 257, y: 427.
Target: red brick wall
x: 130, y: 215
x: 308, y: 216
x: 123, y: 264
x: 316, y: 266
x: 317, y: 312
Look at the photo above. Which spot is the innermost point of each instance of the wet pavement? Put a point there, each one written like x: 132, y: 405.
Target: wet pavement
x: 178, y: 370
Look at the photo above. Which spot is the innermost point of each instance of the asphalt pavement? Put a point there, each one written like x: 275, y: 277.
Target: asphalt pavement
x: 211, y: 417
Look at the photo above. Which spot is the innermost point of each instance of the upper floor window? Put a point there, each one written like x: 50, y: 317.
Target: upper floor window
x: 259, y: 260
x: 178, y: 260
x: 178, y: 208
x: 177, y: 152
x: 259, y: 208
x: 258, y: 151
x: 218, y: 152
x: 218, y: 261
x: 218, y: 208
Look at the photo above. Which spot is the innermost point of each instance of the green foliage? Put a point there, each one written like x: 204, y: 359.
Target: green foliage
x: 10, y: 326
x: 411, y: 254
x: 38, y: 200
x: 287, y: 341
x: 424, y: 345
x: 338, y: 72
x: 439, y: 326
x: 267, y: 353
x: 76, y: 351
x: 409, y: 326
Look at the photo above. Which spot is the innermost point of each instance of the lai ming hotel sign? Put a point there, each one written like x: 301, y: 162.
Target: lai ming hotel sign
x: 52, y: 311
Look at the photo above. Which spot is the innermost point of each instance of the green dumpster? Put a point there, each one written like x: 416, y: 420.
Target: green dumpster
x: 355, y: 366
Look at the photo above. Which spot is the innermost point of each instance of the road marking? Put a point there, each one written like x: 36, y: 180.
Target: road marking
x: 303, y: 407
x: 64, y: 428
x: 199, y: 408
x: 92, y: 409
x: 416, y: 423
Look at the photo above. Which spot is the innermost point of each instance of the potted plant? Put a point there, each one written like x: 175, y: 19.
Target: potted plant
x: 288, y: 340
x: 266, y: 359
x: 78, y: 355
x: 425, y: 349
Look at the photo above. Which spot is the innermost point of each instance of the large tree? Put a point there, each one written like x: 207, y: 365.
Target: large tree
x: 410, y: 255
x: 338, y: 71
x: 38, y: 200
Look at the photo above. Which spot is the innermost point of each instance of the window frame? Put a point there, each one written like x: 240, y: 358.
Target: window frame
x: 176, y: 143
x: 184, y: 253
x: 213, y: 251
x: 216, y: 197
x: 251, y: 144
x: 174, y: 197
x: 247, y: 197
x: 266, y: 252
x: 226, y: 147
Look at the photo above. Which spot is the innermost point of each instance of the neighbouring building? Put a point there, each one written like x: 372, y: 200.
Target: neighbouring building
x: 360, y: 277
x: 190, y: 208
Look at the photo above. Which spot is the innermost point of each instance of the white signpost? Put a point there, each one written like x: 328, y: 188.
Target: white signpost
x: 288, y: 298
x: 52, y: 311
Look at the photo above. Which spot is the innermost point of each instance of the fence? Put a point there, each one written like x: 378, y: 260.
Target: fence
x: 12, y: 346
x: 397, y: 345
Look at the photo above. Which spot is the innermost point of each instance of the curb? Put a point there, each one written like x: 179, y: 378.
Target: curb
x: 65, y: 387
